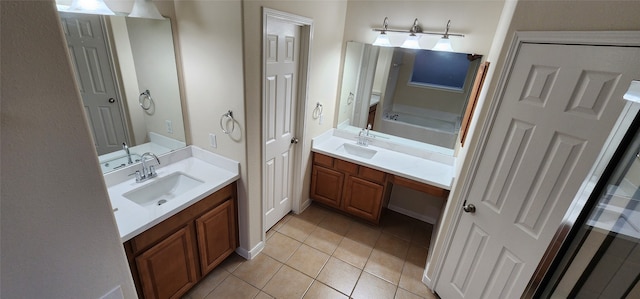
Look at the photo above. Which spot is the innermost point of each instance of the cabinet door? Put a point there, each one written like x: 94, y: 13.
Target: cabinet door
x: 363, y: 198
x: 168, y: 269
x: 216, y: 231
x: 326, y: 186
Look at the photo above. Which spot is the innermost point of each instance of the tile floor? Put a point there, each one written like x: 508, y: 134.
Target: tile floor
x: 324, y: 254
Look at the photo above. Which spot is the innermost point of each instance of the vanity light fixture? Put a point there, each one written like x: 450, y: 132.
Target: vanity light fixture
x: 444, y: 43
x: 90, y: 7
x: 145, y: 9
x: 414, y: 35
x: 383, y: 39
x: 412, y: 41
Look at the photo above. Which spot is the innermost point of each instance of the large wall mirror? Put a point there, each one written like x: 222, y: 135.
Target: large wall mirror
x: 414, y: 94
x: 127, y: 76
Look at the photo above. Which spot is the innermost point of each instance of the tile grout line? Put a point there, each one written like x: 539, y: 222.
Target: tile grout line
x: 324, y: 215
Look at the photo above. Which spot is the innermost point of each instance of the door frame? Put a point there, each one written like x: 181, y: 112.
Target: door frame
x: 302, y: 95
x: 112, y: 57
x: 114, y: 63
x: 593, y: 38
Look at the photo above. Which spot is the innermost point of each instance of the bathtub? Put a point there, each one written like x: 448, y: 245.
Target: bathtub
x: 424, y: 129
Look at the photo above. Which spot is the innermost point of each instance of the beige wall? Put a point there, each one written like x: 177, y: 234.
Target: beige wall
x: 127, y: 79
x: 210, y: 44
x: 154, y: 59
x: 328, y: 21
x: 580, y: 15
x: 349, y: 85
x: 59, y: 237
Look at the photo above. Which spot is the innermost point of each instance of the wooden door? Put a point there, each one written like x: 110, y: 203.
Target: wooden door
x: 216, y: 232
x: 558, y: 106
x: 168, y: 269
x: 326, y: 186
x: 363, y: 198
x: 91, y: 63
x: 281, y: 52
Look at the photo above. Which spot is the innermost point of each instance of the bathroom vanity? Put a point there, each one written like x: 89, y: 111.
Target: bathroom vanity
x: 180, y: 225
x: 358, y: 179
x: 172, y: 256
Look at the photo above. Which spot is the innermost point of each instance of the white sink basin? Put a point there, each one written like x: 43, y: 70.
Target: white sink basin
x: 162, y: 189
x: 357, y: 150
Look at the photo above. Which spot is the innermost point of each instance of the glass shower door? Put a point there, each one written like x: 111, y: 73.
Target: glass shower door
x: 603, y: 259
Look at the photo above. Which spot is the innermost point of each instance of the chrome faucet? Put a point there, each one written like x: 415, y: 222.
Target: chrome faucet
x: 147, y: 172
x: 126, y: 150
x: 362, y: 137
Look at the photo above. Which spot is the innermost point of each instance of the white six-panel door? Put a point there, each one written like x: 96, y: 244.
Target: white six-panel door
x: 92, y: 65
x: 281, y: 52
x: 559, y: 105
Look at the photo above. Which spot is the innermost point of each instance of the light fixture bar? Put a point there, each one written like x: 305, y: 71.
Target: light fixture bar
x: 417, y: 30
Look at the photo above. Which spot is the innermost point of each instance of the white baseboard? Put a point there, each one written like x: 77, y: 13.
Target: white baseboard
x: 304, y: 206
x: 412, y: 214
x: 250, y: 254
x: 427, y: 281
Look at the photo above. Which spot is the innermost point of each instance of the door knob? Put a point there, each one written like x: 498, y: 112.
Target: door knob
x: 294, y: 140
x: 112, y: 100
x: 468, y: 208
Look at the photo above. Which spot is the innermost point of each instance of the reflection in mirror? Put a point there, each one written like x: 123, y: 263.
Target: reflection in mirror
x: 116, y: 60
x: 414, y: 94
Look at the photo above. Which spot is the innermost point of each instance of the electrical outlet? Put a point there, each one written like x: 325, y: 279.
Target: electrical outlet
x: 212, y: 140
x: 169, y: 126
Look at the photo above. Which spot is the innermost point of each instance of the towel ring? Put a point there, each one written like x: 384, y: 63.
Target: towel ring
x: 227, y: 116
x: 317, y: 112
x: 144, y: 98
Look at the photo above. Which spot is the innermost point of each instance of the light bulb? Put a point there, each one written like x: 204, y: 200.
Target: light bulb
x: 444, y: 44
x: 382, y: 40
x: 90, y: 7
x: 411, y: 42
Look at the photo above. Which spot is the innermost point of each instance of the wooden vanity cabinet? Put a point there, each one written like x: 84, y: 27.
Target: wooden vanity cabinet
x: 168, y: 267
x: 326, y: 186
x: 358, y: 190
x: 217, y: 238
x: 351, y: 188
x: 171, y: 257
x: 368, y: 183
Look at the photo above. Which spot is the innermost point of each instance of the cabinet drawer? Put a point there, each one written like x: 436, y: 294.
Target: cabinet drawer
x: 323, y: 160
x: 371, y: 174
x: 432, y: 190
x: 347, y: 167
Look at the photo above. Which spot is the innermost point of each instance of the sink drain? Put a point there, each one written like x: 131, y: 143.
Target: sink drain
x: 162, y: 201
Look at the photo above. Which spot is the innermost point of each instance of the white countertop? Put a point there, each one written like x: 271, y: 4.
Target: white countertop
x: 427, y: 167
x: 215, y: 171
